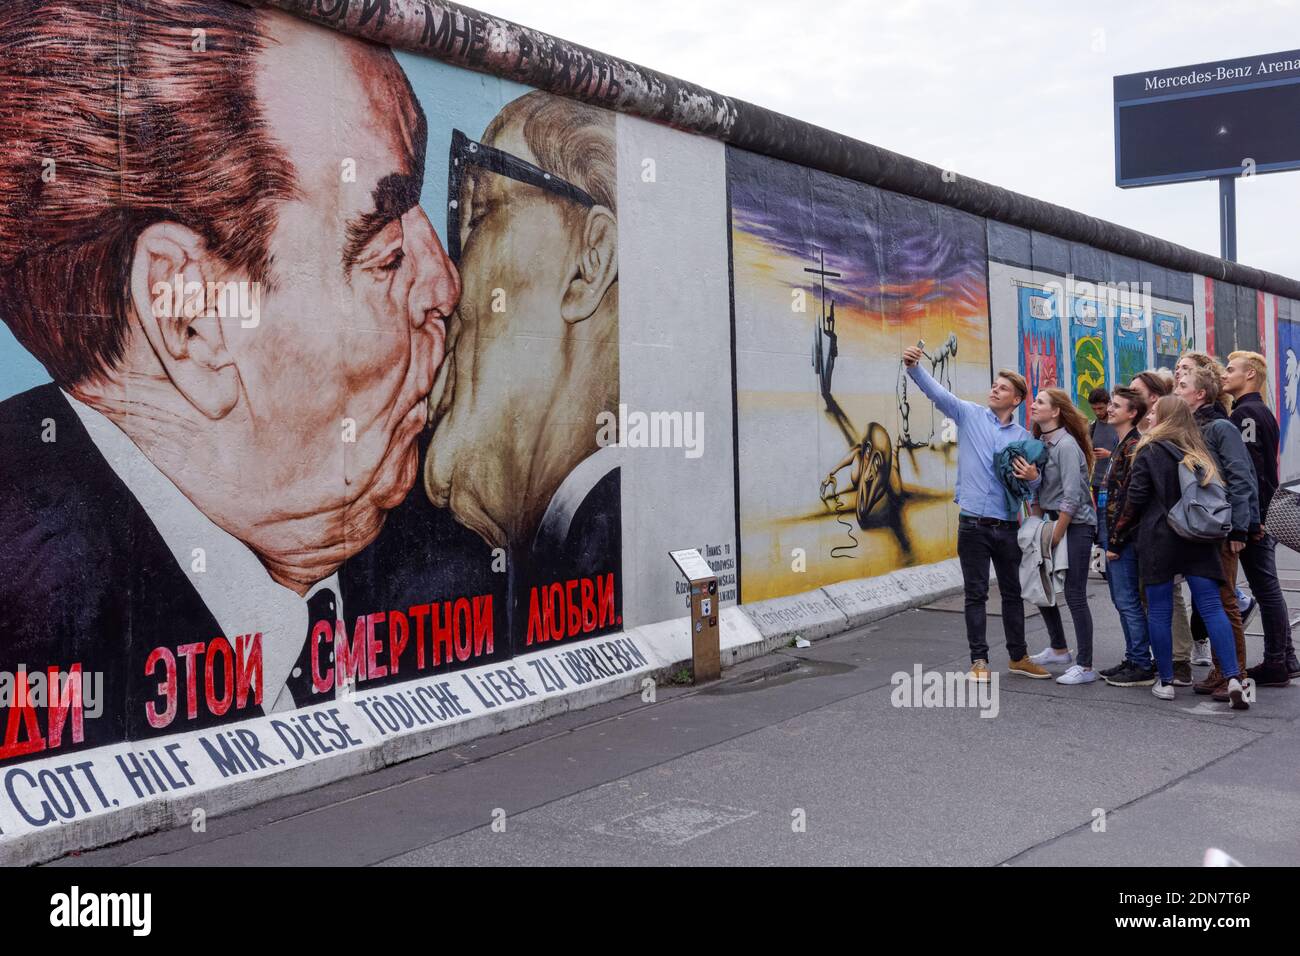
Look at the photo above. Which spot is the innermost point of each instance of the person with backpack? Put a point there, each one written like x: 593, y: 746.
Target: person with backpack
x: 1155, y: 491
x: 1153, y: 385
x: 1065, y: 497
x: 1199, y: 389
x: 1246, y: 380
x: 1246, y: 605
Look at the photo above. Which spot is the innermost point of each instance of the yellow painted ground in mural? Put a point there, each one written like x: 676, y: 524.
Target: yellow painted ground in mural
x: 847, y: 470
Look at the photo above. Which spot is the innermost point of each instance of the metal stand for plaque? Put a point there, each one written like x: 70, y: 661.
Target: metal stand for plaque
x: 706, y: 651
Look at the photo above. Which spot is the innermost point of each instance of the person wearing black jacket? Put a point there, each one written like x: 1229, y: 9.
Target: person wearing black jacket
x: 1127, y: 408
x: 1199, y: 388
x: 1245, y: 379
x: 1153, y: 489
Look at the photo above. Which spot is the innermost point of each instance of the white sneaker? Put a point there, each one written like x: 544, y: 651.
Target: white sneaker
x: 1162, y: 690
x: 1237, y: 695
x: 1201, y: 653
x: 1050, y: 655
x: 1078, y: 675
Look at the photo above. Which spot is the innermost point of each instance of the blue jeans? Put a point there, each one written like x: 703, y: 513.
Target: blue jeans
x: 1101, y: 521
x: 1125, y: 592
x: 1160, y: 618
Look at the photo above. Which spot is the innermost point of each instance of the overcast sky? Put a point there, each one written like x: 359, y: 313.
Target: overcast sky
x: 1014, y: 93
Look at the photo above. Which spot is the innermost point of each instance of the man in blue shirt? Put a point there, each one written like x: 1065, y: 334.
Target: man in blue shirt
x: 987, y: 527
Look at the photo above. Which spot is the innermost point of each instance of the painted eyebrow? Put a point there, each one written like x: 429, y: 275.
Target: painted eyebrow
x: 394, y: 195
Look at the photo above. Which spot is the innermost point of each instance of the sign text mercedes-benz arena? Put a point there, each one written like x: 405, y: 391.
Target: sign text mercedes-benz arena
x: 1208, y: 121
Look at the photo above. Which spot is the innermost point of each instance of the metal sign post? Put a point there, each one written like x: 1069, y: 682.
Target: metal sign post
x: 1228, y: 217
x: 1215, y: 120
x: 706, y: 650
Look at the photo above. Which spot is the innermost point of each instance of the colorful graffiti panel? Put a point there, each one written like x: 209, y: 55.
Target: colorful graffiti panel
x: 1039, y: 336
x: 1087, y: 348
x: 1170, y: 338
x: 1130, y: 342
x: 1287, y: 393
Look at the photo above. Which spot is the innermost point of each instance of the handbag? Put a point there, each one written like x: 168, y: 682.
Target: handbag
x: 1283, y: 518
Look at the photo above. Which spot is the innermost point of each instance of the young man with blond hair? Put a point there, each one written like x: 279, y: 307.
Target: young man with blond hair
x: 1246, y: 380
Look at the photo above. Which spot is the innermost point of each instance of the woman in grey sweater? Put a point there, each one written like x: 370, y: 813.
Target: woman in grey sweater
x: 1065, y: 497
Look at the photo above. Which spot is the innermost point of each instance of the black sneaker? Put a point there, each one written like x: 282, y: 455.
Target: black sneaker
x: 1247, y: 610
x: 1269, y: 675
x: 1292, y: 665
x: 1111, y: 671
x: 1131, y: 675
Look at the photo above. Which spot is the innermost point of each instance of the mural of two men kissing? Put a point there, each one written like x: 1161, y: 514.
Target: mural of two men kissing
x: 281, y: 438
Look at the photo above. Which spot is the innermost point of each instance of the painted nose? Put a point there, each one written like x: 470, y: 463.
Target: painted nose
x: 436, y: 288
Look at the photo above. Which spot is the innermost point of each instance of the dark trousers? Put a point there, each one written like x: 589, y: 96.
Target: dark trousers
x: 1259, y: 561
x: 977, y: 545
x: 1078, y: 547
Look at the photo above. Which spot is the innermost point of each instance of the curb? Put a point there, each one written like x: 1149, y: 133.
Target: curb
x: 50, y: 808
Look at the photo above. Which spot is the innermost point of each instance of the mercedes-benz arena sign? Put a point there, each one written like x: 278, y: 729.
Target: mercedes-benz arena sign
x: 1232, y: 118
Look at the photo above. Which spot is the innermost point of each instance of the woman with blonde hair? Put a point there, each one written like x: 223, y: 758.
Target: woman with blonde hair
x: 1153, y: 489
x: 1153, y: 385
x: 1065, y: 497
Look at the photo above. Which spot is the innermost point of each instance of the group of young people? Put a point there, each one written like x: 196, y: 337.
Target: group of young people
x: 1113, y: 482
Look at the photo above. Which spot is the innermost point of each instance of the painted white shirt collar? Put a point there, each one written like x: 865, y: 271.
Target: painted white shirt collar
x: 235, y: 585
x: 553, y: 530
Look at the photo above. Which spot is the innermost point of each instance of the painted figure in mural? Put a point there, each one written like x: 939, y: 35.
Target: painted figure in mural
x: 941, y: 363
x: 826, y: 341
x: 833, y: 346
x: 195, y: 469
x: 873, y: 475
x: 533, y: 357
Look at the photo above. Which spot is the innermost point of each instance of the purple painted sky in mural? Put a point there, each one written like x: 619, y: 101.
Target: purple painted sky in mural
x: 893, y: 251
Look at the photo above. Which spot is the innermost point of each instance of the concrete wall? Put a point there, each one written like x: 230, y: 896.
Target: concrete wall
x: 302, y: 477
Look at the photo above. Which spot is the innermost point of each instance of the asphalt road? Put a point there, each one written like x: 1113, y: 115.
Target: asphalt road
x: 801, y: 757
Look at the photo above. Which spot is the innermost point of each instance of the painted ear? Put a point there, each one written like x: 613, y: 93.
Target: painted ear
x: 596, y: 268
x: 170, y: 275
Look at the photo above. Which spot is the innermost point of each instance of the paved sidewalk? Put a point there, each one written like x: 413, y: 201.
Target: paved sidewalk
x: 722, y: 775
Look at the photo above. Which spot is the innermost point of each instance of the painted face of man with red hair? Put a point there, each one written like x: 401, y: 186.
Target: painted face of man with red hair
x: 282, y: 160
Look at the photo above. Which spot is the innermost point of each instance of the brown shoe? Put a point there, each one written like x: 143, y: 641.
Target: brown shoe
x: 1027, y: 668
x: 1211, y: 683
x: 1182, y: 674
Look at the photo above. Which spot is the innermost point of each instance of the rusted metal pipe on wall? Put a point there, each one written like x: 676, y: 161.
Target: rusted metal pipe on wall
x: 478, y: 41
